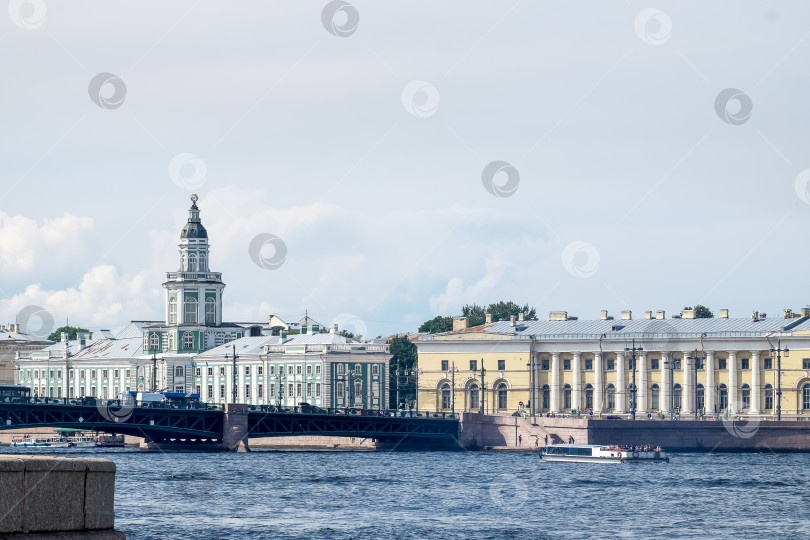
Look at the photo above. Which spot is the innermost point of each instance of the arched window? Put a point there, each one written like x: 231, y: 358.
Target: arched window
x: 192, y: 263
x: 188, y: 340
x: 588, y: 396
x: 154, y: 342
x: 179, y: 371
x: 474, y: 401
x: 358, y: 390
x: 201, y: 265
x: 611, y: 397
x: 546, y: 397
x: 768, y: 397
x: 655, y: 397
x: 445, y: 394
x: 172, y: 310
x: 722, y: 394
x: 567, y: 396
x: 140, y: 372
x: 502, y: 396
x: 171, y: 342
x: 676, y: 396
x: 700, y: 396
x: 806, y: 397
x: 190, y: 315
x: 745, y: 397
x: 210, y: 311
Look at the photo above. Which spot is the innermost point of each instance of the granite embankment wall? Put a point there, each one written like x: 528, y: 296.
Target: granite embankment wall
x: 505, y: 432
x: 51, y: 497
x: 313, y: 442
x: 705, y: 435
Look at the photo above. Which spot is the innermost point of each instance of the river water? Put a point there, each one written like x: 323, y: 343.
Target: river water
x: 454, y: 495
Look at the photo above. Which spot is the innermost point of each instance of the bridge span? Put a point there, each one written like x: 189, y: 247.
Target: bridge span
x: 226, y: 427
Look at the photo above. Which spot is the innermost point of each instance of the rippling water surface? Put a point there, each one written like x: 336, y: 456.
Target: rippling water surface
x: 455, y: 495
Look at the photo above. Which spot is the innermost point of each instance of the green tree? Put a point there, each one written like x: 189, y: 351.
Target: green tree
x: 72, y: 331
x: 702, y: 312
x: 437, y: 325
x: 476, y: 315
x: 349, y: 335
x: 503, y: 310
x: 403, y: 359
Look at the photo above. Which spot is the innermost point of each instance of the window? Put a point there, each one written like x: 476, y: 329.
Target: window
x: 247, y: 392
x: 192, y: 262
x: 116, y: 373
x: 179, y: 388
x: 611, y: 364
x: 358, y: 369
x: 188, y: 340
x: 210, y: 311
x: 197, y: 389
x: 272, y: 370
x: 768, y: 364
x: 92, y: 391
x: 140, y: 372
x: 340, y: 369
x: 260, y: 391
x: 474, y: 401
x: 806, y: 396
x: 317, y: 389
x: 567, y: 396
x: 567, y: 364
x: 588, y: 364
x: 544, y: 364
x: 70, y: 392
x: 723, y: 395
x: 129, y: 373
x: 298, y: 390
x: 58, y: 373
x: 445, y: 391
x: 171, y: 341
x: 317, y: 370
x: 611, y: 397
x: 340, y: 389
x: 501, y: 365
x: 473, y: 365
x: 289, y: 370
x: 247, y: 371
x: 699, y: 395
x: 298, y: 370
x: 179, y: 371
x: 676, y: 396
x: 272, y: 391
x: 745, y: 396
x: 259, y: 370
x: 104, y: 373
x: 654, y: 365
x: 546, y: 397
x: 655, y: 397
x: 375, y: 370
x: 154, y: 342
x: 190, y: 314
x: 210, y: 393
x: 744, y: 363
x: 806, y: 363
x: 502, y: 394
x: 92, y: 373
x: 198, y: 372
x: 221, y: 391
x: 768, y: 397
x: 172, y: 310
x: 589, y: 397
x: 309, y: 389
x: 445, y: 367
x: 201, y: 265
x: 290, y: 390
x: 222, y: 371
x: 721, y: 363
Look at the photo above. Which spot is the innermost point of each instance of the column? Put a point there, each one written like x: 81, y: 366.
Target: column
x: 201, y: 305
x: 555, y: 382
x: 642, y: 384
x: 756, y: 383
x: 686, y: 392
x: 181, y: 307
x: 665, y: 383
x: 576, y: 395
x: 733, y: 404
x: 166, y: 305
x: 709, y: 397
x: 600, y: 383
x: 621, y: 383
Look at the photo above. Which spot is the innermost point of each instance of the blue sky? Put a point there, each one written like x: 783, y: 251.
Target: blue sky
x: 365, y: 153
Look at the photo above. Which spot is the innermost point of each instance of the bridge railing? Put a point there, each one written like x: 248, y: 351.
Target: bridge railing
x: 344, y: 411
x: 113, y: 403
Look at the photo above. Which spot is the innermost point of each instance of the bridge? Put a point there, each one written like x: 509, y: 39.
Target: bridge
x: 215, y: 427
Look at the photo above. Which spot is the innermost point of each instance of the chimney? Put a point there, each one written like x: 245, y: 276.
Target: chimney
x: 521, y: 316
x: 489, y: 318
x: 459, y: 323
x: 64, y: 337
x: 688, y: 314
x: 603, y: 315
x: 511, y: 320
x: 283, y: 335
x: 17, y: 328
x: 334, y: 329
x: 755, y: 316
x: 558, y: 315
x: 788, y: 314
x: 627, y: 315
x: 83, y: 337
x: 660, y: 315
x: 805, y: 312
x: 648, y: 315
x: 724, y: 314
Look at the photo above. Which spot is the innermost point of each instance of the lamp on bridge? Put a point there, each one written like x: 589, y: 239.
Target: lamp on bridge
x: 634, y: 349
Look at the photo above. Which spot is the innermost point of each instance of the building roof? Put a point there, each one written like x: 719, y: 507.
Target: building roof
x: 255, y: 345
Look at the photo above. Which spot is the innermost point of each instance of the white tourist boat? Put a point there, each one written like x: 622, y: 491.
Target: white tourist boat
x: 41, y: 442
x: 597, y: 453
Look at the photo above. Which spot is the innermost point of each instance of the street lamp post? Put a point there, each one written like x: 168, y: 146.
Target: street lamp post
x: 672, y: 364
x: 696, y: 365
x: 633, y: 349
x: 235, y: 375
x: 779, y: 350
x: 483, y: 396
x: 453, y: 389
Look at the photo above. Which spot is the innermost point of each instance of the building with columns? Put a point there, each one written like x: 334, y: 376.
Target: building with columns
x: 681, y: 366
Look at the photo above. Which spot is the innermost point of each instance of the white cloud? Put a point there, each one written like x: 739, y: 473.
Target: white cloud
x: 456, y: 295
x: 24, y: 242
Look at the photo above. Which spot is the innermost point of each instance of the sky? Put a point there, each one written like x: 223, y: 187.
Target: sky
x: 381, y: 163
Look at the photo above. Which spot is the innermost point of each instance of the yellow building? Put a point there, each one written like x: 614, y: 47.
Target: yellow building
x: 684, y: 366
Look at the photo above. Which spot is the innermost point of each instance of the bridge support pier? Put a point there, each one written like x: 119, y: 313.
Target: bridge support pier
x: 235, y: 428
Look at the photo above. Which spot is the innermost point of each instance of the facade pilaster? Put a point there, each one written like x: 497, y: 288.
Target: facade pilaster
x: 576, y: 395
x: 621, y: 383
x: 733, y: 394
x: 756, y: 383
x: 665, y: 383
x: 642, y: 404
x: 709, y: 395
x: 600, y: 383
x: 555, y: 382
x: 687, y: 392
